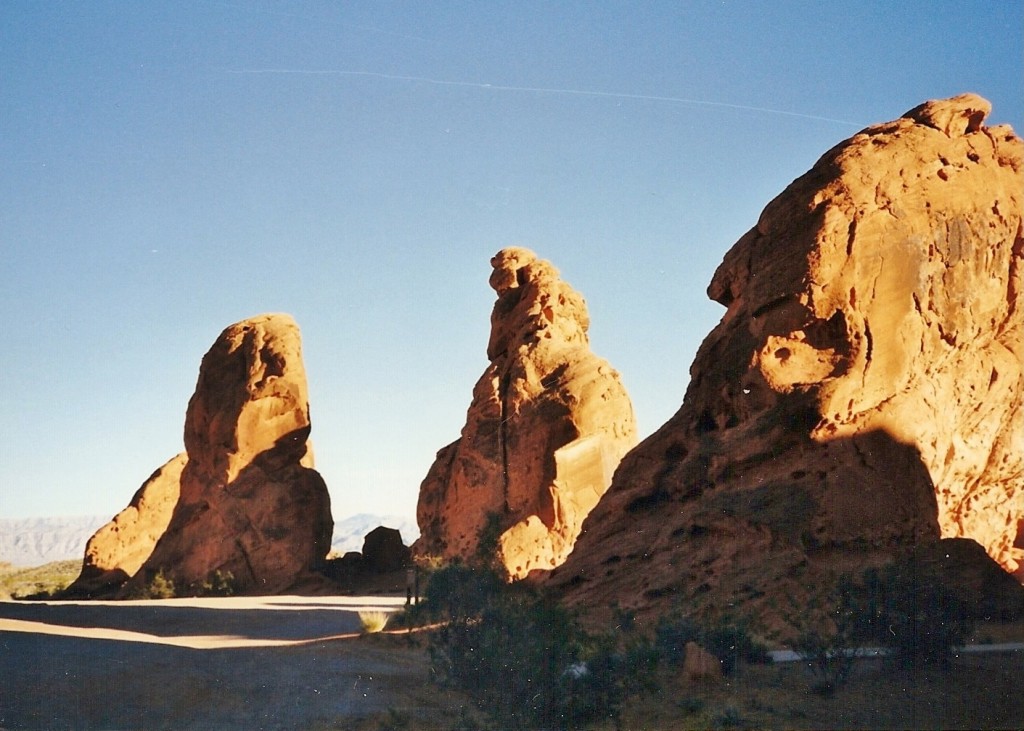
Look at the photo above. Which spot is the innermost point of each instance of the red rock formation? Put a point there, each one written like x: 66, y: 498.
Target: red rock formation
x: 863, y: 390
x: 246, y: 500
x: 118, y: 550
x: 548, y: 424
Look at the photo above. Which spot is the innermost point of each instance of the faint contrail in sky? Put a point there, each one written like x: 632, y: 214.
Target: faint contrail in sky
x: 544, y: 90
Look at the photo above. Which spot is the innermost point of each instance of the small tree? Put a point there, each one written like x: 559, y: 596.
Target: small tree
x: 510, y: 653
x: 826, y: 642
x: 729, y: 640
x: 909, y: 607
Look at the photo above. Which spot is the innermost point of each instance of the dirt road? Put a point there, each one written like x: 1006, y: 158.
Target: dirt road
x: 253, y: 663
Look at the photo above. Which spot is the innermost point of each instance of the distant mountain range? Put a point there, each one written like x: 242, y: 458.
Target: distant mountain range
x: 35, y: 541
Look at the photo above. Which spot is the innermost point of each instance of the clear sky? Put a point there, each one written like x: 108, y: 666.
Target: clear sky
x: 167, y: 169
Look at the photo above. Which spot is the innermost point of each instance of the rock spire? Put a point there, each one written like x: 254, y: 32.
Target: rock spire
x: 548, y: 423
x: 243, y: 500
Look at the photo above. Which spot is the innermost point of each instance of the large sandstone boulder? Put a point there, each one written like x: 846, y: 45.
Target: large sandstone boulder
x: 547, y: 426
x: 384, y: 551
x: 862, y: 393
x: 244, y: 500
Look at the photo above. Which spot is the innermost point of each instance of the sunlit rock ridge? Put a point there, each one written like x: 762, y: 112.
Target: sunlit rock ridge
x: 548, y: 423
x: 862, y: 392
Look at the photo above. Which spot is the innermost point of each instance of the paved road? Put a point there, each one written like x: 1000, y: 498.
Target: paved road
x: 870, y: 652
x: 278, y: 663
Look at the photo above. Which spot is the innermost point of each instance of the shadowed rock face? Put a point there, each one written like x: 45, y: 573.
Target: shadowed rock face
x: 547, y: 426
x: 862, y: 392
x: 243, y: 499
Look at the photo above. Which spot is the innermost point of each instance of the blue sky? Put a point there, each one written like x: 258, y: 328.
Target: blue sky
x: 169, y: 169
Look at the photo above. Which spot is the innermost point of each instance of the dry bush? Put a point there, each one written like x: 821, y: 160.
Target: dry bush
x: 373, y: 621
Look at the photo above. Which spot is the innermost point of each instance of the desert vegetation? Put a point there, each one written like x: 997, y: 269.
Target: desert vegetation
x: 37, y: 582
x: 523, y: 660
x: 373, y: 622
x: 905, y: 607
x: 520, y: 660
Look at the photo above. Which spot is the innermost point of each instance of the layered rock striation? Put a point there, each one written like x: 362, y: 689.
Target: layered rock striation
x: 862, y: 392
x: 548, y: 423
x: 243, y: 501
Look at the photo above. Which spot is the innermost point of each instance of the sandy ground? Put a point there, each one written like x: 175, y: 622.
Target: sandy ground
x: 241, y: 662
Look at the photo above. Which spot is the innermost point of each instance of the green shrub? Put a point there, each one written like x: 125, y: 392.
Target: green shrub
x: 394, y: 721
x: 613, y: 667
x: 459, y: 591
x: 671, y: 634
x: 690, y: 705
x: 829, y: 658
x: 730, y: 717
x: 219, y: 583
x: 509, y: 655
x: 729, y: 640
x: 908, y: 607
x: 159, y: 587
x: 524, y: 660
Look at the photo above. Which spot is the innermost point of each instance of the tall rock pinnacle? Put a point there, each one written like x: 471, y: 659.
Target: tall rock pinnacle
x: 547, y: 426
x: 243, y: 499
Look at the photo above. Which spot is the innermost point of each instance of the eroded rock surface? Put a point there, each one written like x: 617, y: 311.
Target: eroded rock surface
x: 863, y: 391
x: 547, y: 426
x: 244, y: 500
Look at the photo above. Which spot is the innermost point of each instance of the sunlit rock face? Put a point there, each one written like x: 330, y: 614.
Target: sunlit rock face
x: 243, y: 500
x: 862, y: 392
x: 118, y: 550
x: 547, y: 426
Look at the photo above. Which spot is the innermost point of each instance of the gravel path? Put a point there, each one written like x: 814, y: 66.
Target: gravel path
x: 267, y: 663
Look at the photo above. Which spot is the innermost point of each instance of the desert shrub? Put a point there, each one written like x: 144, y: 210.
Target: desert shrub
x: 829, y: 657
x: 908, y: 607
x: 730, y: 717
x: 409, y: 616
x: 826, y: 638
x: 613, y: 666
x: 394, y: 721
x: 373, y: 621
x: 524, y: 660
x: 219, y: 583
x: 690, y: 705
x: 671, y: 633
x: 729, y: 640
x: 459, y: 591
x: 507, y: 649
x: 509, y: 655
x: 159, y: 587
